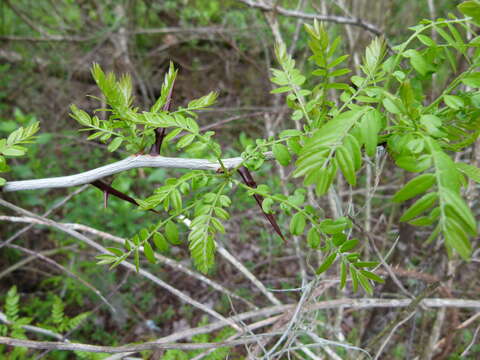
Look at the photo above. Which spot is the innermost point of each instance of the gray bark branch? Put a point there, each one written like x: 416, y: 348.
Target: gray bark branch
x: 131, y: 162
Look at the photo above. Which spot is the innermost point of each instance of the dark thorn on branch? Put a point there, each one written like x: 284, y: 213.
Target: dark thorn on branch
x: 108, y: 190
x: 159, y: 135
x: 249, y: 181
x: 160, y: 132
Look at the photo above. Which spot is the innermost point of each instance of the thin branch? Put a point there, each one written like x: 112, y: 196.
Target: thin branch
x: 48, y: 212
x: 131, y: 162
x: 473, y: 342
x: 35, y: 329
x: 57, y: 345
x: 26, y: 260
x: 401, y: 317
x: 248, y: 274
x: 48, y: 38
x: 125, y: 264
x: 176, y: 30
x: 175, y: 265
x: 328, y: 18
x: 178, y: 266
x: 65, y: 270
x: 389, y: 336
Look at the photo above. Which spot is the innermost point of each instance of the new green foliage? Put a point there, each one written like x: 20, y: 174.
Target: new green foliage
x: 11, y: 146
x: 126, y: 125
x: 382, y: 105
x: 340, y: 122
x: 387, y: 107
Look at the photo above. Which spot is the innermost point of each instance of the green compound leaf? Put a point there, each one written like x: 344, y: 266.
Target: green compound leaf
x: 370, y: 126
x: 456, y: 220
x: 365, y: 283
x: 370, y: 275
x: 323, y: 140
x: 457, y: 238
x: 202, y: 247
x: 454, y: 102
x: 349, y: 245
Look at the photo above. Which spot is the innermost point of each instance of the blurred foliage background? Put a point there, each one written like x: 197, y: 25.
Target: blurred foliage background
x: 46, y: 50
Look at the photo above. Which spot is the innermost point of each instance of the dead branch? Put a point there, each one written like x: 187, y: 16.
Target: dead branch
x: 328, y: 18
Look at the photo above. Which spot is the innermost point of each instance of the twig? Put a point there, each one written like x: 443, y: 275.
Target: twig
x: 473, y: 342
x: 34, y: 329
x: 161, y: 258
x: 173, y: 30
x: 248, y: 274
x: 57, y: 345
x: 387, y: 339
x: 411, y: 308
x: 328, y: 18
x: 332, y: 354
x: 48, y: 38
x: 65, y: 270
x: 48, y: 212
x: 25, y: 261
x: 125, y: 264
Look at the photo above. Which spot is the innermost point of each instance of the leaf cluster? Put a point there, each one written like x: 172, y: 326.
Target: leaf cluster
x: 126, y: 125
x: 341, y: 120
x: 385, y: 105
x: 11, y: 146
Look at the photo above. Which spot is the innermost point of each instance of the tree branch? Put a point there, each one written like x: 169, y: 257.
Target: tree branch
x: 131, y: 162
x: 175, y: 265
x: 58, y: 345
x: 125, y: 264
x: 329, y: 18
x: 168, y: 341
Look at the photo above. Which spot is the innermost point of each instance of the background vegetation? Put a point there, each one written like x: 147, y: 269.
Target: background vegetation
x: 50, y: 280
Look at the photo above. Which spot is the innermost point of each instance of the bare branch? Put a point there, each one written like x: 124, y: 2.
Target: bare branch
x: 57, y: 345
x: 328, y: 18
x: 131, y: 162
x: 49, y: 38
x: 167, y: 342
x: 173, y: 30
x: 175, y: 265
x: 125, y: 264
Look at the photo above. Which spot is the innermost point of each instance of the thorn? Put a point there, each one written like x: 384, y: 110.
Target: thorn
x: 249, y: 181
